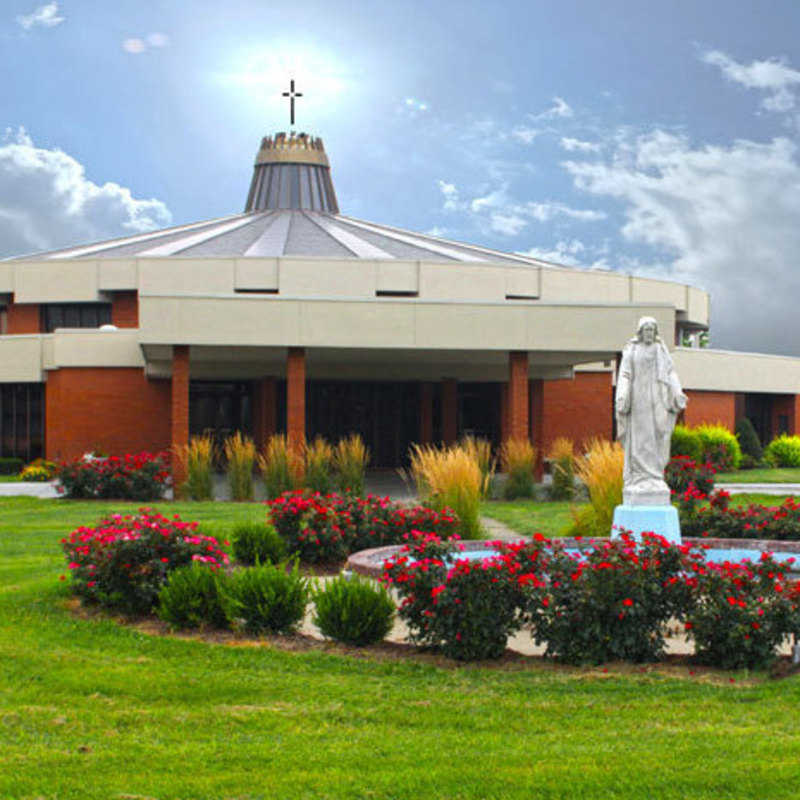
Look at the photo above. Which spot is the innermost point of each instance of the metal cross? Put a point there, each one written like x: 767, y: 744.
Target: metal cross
x: 291, y: 94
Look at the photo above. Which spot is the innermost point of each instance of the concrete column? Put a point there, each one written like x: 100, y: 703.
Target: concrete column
x: 518, y: 395
x: 449, y: 410
x: 179, y: 408
x: 296, y: 395
x: 425, y: 413
x: 264, y: 411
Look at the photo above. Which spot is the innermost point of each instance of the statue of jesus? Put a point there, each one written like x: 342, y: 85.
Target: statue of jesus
x: 648, y: 400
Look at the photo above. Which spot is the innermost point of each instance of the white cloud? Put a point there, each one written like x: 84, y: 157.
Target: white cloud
x: 771, y: 75
x: 563, y: 252
x: 573, y: 145
x: 726, y: 217
x: 560, y: 108
x: 524, y: 134
x: 450, y: 192
x: 507, y: 224
x: 45, y: 16
x: 414, y: 106
x: 157, y: 39
x: 47, y: 202
x: 543, y: 212
x: 134, y: 46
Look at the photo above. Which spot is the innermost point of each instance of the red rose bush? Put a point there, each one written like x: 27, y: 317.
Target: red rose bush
x: 134, y: 476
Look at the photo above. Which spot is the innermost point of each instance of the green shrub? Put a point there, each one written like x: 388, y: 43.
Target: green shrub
x: 354, y: 611
x: 783, y: 451
x: 686, y: 442
x: 719, y: 446
x: 748, y: 440
x: 268, y: 598
x: 191, y: 598
x: 35, y: 474
x: 257, y: 542
x: 11, y: 466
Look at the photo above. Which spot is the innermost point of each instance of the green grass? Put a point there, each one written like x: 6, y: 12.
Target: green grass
x: 9, y: 478
x: 93, y: 709
x: 528, y: 517
x: 785, y: 475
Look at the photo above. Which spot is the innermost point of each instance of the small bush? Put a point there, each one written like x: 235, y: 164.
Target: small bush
x: 720, y: 447
x: 197, y: 462
x: 783, y: 451
x: 682, y: 472
x: 518, y: 461
x: 257, y: 543
x: 350, y: 460
x: 266, y: 599
x: 742, y: 613
x: 123, y: 561
x: 562, y: 460
x: 449, y: 478
x: 135, y: 476
x: 50, y: 467
x: 35, y: 474
x: 748, y: 440
x: 192, y: 597
x: 319, y: 466
x: 353, y: 611
x: 600, y: 469
x: 241, y: 455
x: 686, y: 442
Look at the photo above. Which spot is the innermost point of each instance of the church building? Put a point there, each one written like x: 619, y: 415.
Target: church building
x: 292, y: 316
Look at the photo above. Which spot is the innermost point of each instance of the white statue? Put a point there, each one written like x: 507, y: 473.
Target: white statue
x: 648, y: 400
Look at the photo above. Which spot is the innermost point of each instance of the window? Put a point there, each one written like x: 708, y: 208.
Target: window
x: 75, y: 315
x: 21, y: 420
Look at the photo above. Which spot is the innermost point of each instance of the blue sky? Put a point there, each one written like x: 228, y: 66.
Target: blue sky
x: 654, y: 138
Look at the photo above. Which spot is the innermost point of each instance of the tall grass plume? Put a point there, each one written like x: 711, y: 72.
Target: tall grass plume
x: 319, y: 466
x: 518, y: 461
x: 196, y: 460
x: 350, y: 459
x: 281, y: 467
x: 562, y: 468
x: 240, y: 452
x: 480, y: 450
x: 600, y: 469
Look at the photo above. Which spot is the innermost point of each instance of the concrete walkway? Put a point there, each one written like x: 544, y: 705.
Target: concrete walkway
x: 760, y: 488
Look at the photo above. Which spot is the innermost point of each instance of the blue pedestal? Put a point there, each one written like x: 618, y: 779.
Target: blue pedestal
x: 662, y: 520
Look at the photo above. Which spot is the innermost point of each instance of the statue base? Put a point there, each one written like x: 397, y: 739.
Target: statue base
x: 638, y: 519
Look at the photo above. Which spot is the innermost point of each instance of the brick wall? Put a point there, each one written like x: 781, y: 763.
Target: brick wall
x: 518, y: 401
x: 23, y: 318
x: 296, y: 395
x: 115, y: 410
x: 125, y: 309
x: 787, y: 405
x: 710, y: 407
x: 578, y: 408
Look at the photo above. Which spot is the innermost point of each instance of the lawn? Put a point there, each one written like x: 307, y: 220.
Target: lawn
x: 786, y: 475
x: 93, y: 709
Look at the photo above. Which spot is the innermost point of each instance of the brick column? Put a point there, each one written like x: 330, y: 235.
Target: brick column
x: 179, y: 408
x: 425, y: 413
x: 518, y: 395
x: 264, y: 411
x: 23, y: 318
x: 449, y: 410
x: 125, y: 309
x: 536, y: 393
x: 296, y: 395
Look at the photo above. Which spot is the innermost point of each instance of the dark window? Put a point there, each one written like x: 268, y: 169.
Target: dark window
x: 783, y: 424
x: 21, y: 420
x: 75, y: 315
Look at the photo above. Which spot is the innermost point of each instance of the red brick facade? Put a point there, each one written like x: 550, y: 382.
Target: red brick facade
x: 125, y: 309
x: 786, y: 405
x: 578, y: 408
x: 710, y: 407
x: 23, y: 318
x: 113, y: 410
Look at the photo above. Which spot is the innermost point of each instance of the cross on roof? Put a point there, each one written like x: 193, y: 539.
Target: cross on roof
x: 291, y: 94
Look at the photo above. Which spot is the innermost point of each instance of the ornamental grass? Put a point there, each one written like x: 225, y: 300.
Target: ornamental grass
x: 480, y: 450
x: 196, y: 461
x: 240, y: 452
x: 319, y: 466
x: 600, y: 469
x: 518, y: 461
x: 350, y: 459
x: 281, y: 466
x: 562, y: 460
x: 450, y: 477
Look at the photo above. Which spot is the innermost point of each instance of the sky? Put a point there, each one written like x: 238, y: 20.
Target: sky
x: 658, y: 139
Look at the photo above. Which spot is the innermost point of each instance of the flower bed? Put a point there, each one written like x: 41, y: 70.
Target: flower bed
x: 710, y: 516
x: 134, y: 476
x: 325, y: 529
x: 123, y: 561
x: 610, y: 602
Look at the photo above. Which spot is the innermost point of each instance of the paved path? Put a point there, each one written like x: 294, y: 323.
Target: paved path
x: 760, y: 488
x: 28, y: 489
